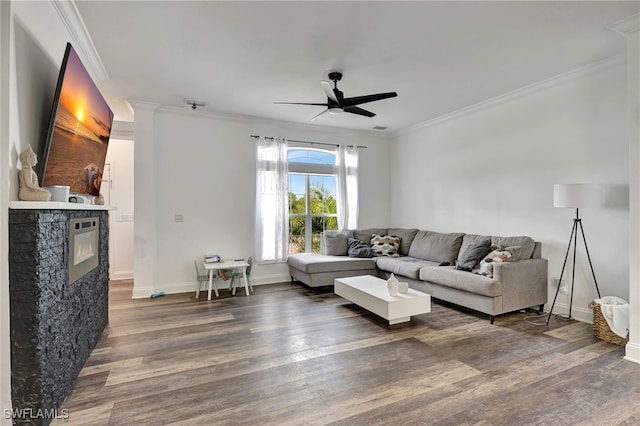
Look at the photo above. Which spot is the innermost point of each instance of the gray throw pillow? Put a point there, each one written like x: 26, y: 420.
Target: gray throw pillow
x: 358, y: 248
x: 335, y: 243
x: 469, y: 239
x: 473, y: 255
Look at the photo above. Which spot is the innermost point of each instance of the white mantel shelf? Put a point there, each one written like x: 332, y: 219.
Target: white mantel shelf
x: 55, y: 205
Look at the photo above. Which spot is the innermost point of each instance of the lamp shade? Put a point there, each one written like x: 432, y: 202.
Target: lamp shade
x: 578, y: 195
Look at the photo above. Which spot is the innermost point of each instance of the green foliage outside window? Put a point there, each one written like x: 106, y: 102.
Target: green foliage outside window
x: 322, y: 210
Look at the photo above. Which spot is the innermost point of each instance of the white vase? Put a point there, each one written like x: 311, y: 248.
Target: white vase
x: 392, y: 286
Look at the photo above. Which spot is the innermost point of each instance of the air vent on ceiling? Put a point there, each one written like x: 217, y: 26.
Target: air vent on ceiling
x: 380, y: 128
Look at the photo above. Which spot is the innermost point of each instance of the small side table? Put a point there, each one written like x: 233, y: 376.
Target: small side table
x: 212, y: 268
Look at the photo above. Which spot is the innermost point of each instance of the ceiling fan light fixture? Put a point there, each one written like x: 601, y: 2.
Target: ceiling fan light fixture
x: 337, y: 103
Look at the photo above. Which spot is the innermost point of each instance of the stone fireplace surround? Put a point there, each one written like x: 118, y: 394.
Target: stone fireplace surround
x: 54, y: 325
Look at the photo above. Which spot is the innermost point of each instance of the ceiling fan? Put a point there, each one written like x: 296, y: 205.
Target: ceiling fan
x: 337, y: 103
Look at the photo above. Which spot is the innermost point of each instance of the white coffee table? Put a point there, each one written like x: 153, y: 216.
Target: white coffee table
x: 371, y: 293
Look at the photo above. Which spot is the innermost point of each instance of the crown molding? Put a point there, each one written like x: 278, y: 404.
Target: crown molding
x: 252, y: 119
x: 627, y: 26
x: 523, y: 91
x: 82, y: 41
x: 123, y: 130
x: 143, y: 105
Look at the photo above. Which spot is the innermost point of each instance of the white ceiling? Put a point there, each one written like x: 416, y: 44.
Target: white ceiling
x: 241, y: 57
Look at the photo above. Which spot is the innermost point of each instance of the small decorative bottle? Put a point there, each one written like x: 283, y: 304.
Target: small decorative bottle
x: 392, y: 285
x: 393, y: 288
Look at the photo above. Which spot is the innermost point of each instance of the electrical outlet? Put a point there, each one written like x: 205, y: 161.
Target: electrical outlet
x: 563, y: 286
x: 179, y: 218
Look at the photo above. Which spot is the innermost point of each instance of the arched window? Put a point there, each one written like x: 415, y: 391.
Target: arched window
x: 312, y: 196
x: 302, y: 191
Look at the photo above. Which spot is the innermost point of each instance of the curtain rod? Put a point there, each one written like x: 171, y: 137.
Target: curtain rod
x: 311, y: 143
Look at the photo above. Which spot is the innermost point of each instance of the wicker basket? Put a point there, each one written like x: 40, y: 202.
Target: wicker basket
x: 601, y: 329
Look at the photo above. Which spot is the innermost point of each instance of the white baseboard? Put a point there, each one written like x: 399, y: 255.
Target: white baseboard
x: 121, y: 275
x: 190, y: 286
x: 271, y: 279
x: 578, y: 313
x: 142, y: 293
x: 632, y: 352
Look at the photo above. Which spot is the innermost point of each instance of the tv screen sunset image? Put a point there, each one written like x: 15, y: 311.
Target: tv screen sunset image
x: 81, y: 132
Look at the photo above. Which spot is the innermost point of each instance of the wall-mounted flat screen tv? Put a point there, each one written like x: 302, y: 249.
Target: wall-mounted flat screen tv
x: 79, y: 131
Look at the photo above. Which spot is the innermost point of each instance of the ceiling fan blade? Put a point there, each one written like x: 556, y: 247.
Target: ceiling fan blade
x: 367, y: 98
x: 359, y: 111
x: 322, y: 113
x: 326, y: 86
x: 300, y: 103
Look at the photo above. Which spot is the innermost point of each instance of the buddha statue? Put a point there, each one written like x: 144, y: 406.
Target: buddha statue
x: 29, y: 187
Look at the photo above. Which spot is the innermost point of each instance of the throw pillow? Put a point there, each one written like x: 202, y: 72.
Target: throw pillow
x: 335, y: 243
x: 516, y: 253
x: 527, y: 244
x: 486, y: 264
x: 469, y: 239
x: 358, y: 248
x: 473, y: 255
x: 385, y: 245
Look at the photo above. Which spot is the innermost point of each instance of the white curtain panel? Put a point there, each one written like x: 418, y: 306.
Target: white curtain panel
x: 272, y: 194
x: 347, y: 187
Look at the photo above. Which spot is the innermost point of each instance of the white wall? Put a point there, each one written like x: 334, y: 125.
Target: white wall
x: 32, y: 43
x: 204, y: 167
x: 121, y: 157
x: 630, y: 29
x: 5, y: 341
x: 491, y: 169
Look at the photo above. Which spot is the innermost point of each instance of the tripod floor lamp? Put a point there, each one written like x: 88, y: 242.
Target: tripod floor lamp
x: 576, y: 196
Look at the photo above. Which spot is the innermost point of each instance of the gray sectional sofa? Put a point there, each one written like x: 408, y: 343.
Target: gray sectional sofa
x: 423, y: 256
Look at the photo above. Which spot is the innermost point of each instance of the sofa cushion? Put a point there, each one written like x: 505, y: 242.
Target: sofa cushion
x: 436, y: 247
x: 405, y: 266
x: 313, y: 263
x: 469, y: 239
x: 473, y: 255
x: 359, y: 249
x: 335, y: 243
x: 365, y: 235
x: 385, y: 245
x: 448, y: 276
x: 526, y: 245
x: 406, y: 238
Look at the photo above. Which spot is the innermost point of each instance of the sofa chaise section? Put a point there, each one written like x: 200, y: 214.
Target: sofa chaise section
x: 319, y: 270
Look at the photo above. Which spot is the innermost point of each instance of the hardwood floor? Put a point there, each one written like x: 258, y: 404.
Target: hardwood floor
x: 285, y: 355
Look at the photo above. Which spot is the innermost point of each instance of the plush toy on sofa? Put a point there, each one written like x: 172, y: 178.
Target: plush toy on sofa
x: 486, y: 265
